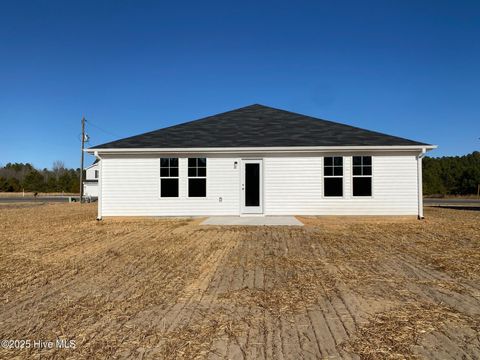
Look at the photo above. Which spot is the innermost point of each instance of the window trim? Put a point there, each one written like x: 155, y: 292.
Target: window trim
x: 333, y: 176
x: 197, y: 177
x: 365, y: 176
x: 160, y: 177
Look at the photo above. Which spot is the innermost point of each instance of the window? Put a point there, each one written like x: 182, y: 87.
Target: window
x: 169, y: 177
x: 96, y: 174
x: 333, y: 176
x: 197, y: 177
x: 362, y: 176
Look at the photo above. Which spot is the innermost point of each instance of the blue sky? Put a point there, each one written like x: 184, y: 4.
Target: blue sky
x: 407, y: 68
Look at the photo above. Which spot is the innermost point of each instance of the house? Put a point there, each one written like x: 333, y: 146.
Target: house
x: 259, y: 160
x: 90, y: 184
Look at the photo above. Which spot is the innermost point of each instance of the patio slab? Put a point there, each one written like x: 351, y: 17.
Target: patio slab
x: 253, y: 220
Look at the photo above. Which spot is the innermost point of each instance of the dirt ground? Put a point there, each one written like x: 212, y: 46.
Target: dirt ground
x: 30, y: 194
x: 170, y: 288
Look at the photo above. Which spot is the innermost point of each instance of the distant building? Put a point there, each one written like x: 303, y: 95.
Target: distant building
x: 90, y: 184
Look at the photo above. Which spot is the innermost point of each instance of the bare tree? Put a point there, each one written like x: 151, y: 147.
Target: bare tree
x: 58, y: 168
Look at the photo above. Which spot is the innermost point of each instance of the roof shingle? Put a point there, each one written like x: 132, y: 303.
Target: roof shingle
x: 258, y: 126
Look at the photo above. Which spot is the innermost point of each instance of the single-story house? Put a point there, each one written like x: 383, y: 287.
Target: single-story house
x: 90, y: 184
x: 259, y: 160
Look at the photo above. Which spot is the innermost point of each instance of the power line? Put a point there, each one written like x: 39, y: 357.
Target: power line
x: 102, y: 129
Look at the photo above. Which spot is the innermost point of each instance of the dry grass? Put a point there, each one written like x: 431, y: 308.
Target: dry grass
x: 170, y: 288
x: 444, y: 237
x: 471, y: 196
x: 297, y: 285
x: 196, y: 340
x: 30, y: 194
x: 391, y: 334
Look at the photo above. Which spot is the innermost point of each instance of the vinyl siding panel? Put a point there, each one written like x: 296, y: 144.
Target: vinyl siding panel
x: 131, y: 187
x: 90, y: 189
x: 90, y: 172
x: 293, y: 185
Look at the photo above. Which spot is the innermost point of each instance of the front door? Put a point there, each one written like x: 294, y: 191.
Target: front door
x: 251, y: 187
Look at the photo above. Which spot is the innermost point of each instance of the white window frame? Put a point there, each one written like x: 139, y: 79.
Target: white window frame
x: 169, y: 177
x: 333, y: 176
x: 197, y: 177
x: 365, y: 176
x: 95, y: 174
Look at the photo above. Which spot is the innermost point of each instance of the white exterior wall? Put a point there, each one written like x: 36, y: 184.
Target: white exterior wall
x: 293, y: 185
x: 90, y: 189
x: 90, y: 172
x: 131, y: 186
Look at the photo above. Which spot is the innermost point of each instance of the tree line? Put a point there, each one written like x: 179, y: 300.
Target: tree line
x: 448, y: 175
x: 17, y: 177
x: 451, y: 175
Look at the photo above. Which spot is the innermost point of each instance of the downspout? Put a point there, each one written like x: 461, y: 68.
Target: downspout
x: 420, y: 183
x: 99, y: 200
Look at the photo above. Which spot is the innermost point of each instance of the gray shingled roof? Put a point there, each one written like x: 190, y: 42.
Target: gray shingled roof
x: 257, y: 126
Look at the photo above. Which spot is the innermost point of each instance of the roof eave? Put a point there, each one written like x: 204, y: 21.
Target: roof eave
x: 92, y: 165
x: 299, y: 149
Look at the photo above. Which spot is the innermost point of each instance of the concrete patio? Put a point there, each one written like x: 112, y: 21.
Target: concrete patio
x: 253, y: 220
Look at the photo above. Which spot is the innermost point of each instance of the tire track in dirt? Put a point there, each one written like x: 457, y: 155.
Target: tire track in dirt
x: 187, y: 250
x: 177, y: 254
x: 65, y: 285
x: 142, y: 265
x: 192, y: 296
x: 419, y: 272
x: 423, y: 273
x: 220, y: 344
x: 226, y: 292
x: 193, y: 301
x: 216, y: 288
x: 136, y: 243
x: 37, y: 278
x: 328, y: 327
x: 119, y: 244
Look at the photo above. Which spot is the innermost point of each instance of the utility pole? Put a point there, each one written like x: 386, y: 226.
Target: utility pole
x: 81, y: 162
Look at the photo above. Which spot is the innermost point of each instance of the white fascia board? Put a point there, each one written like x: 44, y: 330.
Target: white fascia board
x: 224, y: 150
x: 89, y: 167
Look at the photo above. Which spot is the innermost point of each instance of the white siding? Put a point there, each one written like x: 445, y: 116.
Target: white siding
x: 90, y: 189
x: 293, y: 184
x: 131, y: 186
x: 90, y: 172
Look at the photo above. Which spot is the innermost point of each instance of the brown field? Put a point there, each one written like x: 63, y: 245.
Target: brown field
x: 471, y: 196
x: 30, y: 194
x: 171, y: 288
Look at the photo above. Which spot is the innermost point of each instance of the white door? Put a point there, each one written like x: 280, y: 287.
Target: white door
x: 252, y: 187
